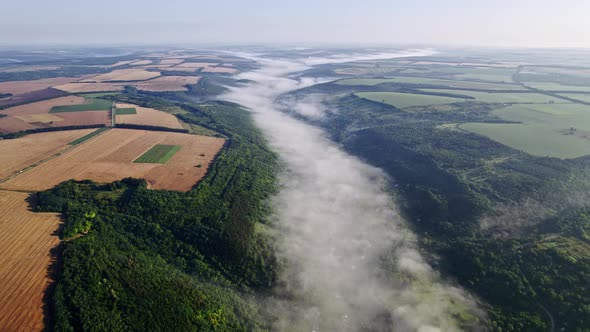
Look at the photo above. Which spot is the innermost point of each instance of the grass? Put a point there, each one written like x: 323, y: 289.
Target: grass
x: 501, y: 97
x: 88, y: 136
x: 403, y: 100
x: 554, y: 130
x: 159, y: 154
x: 557, y: 87
x: 125, y: 110
x: 90, y: 104
x: 431, y: 81
x: 577, y: 96
x: 567, y: 246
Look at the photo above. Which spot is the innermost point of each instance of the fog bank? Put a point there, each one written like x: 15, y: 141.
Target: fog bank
x: 351, y: 264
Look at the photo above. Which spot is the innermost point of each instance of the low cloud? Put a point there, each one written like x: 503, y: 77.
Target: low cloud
x: 350, y: 263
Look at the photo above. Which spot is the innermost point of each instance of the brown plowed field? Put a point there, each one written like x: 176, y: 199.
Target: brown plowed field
x: 26, y: 239
x: 147, y: 117
x: 110, y: 157
x: 9, y: 124
x: 18, y: 153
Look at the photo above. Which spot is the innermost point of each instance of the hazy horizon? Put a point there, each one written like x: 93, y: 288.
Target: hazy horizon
x: 528, y: 24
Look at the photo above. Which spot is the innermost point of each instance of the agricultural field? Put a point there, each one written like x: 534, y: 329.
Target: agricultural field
x: 431, y: 81
x: 42, y: 107
x: 122, y: 75
x: 22, y: 87
x: 577, y: 96
x: 26, y: 239
x: 90, y: 87
x: 167, y: 83
x: 159, y: 84
x: 89, y: 104
x: 557, y: 87
x: 171, y: 62
x: 141, y: 63
x: 147, y: 117
x: 124, y: 111
x: 19, y: 153
x: 110, y: 157
x: 159, y: 153
x: 558, y: 130
x: 57, y: 112
x: 501, y: 97
x: 403, y: 100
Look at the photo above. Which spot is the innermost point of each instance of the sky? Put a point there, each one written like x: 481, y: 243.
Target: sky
x: 503, y: 23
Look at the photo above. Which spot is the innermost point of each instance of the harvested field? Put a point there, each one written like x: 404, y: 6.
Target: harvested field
x: 16, y: 154
x: 167, y: 83
x: 84, y: 118
x: 141, y: 63
x: 42, y: 118
x: 110, y: 157
x: 171, y: 61
x: 30, y: 97
x: 42, y: 106
x: 224, y: 70
x: 26, y: 239
x: 147, y: 117
x: 21, y: 87
x: 90, y: 87
x: 123, y: 75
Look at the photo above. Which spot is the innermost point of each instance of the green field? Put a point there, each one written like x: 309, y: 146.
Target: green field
x: 506, y: 97
x: 123, y: 111
x: 159, y: 154
x: 557, y: 87
x: 568, y: 246
x: 88, y: 136
x: 431, y: 81
x: 558, y: 130
x: 90, y: 104
x: 403, y: 100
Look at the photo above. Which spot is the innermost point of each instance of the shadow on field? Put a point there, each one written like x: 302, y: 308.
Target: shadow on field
x: 53, y: 271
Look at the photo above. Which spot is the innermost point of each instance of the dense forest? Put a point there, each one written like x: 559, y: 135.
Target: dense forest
x: 138, y: 259
x: 530, y: 274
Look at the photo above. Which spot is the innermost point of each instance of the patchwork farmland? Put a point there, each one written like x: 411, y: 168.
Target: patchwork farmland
x: 110, y: 157
x: 57, y: 112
